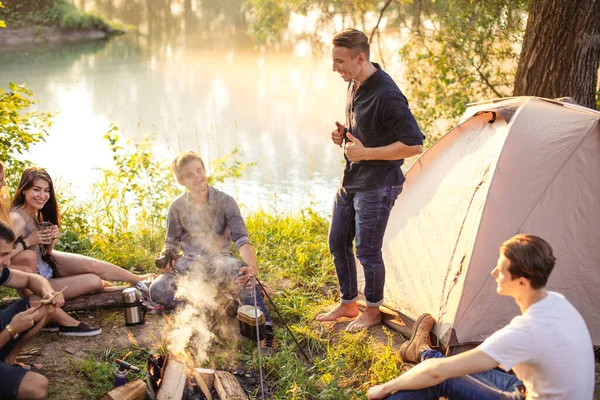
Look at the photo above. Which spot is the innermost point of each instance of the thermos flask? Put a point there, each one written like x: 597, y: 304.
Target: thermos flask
x: 134, y: 310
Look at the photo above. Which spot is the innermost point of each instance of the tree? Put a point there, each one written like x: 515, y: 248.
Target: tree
x: 561, y: 51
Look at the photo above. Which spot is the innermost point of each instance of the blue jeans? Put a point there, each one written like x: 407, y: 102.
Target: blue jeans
x: 164, y: 287
x: 362, y: 215
x: 488, y: 385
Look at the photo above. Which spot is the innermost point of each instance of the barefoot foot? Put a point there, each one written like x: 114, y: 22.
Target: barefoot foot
x: 349, y: 310
x: 369, y: 318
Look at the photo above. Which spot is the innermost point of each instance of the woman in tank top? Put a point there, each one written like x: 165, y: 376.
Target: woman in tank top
x: 35, y: 202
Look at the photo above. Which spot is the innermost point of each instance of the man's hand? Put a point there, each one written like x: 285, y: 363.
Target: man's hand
x: 355, y: 151
x: 57, y: 301
x: 376, y: 392
x: 245, y: 273
x: 337, y: 135
x: 25, y: 320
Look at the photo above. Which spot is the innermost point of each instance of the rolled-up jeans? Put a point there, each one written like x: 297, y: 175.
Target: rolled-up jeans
x: 363, y: 215
x: 164, y: 287
x: 488, y: 385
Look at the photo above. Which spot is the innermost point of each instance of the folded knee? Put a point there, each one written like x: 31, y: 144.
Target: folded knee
x: 26, y: 258
x: 34, y: 386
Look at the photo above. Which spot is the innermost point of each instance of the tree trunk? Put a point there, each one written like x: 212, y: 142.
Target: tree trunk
x: 561, y: 51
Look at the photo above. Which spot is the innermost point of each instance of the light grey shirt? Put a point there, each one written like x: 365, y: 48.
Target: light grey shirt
x: 204, y: 230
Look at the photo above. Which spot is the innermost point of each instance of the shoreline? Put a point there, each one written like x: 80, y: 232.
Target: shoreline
x: 14, y: 38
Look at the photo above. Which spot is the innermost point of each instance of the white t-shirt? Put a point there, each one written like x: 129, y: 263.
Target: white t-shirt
x: 549, y: 348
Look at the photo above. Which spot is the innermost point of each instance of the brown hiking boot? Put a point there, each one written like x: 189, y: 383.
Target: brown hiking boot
x: 419, y: 341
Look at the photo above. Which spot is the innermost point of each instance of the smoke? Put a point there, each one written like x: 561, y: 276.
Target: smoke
x: 203, y: 290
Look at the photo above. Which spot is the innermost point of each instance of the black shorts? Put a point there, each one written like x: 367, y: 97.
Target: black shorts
x: 11, y: 375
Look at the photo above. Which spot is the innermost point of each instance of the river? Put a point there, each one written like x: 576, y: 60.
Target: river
x: 192, y: 78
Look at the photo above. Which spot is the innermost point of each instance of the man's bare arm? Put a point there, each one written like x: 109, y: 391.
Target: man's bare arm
x: 246, y: 252
x: 435, y: 370
x: 36, y: 283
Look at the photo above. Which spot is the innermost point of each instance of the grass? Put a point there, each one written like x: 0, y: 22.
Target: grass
x: 96, y: 372
x: 296, y: 266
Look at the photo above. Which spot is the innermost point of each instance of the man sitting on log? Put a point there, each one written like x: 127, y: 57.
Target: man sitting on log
x: 203, y: 222
x: 548, y: 346
x: 19, y: 323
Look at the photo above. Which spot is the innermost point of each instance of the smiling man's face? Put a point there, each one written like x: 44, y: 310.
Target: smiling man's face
x: 346, y: 63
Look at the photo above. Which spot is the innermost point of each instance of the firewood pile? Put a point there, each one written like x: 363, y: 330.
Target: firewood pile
x: 171, y: 379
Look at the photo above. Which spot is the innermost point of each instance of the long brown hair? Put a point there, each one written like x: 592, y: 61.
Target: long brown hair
x: 50, y: 210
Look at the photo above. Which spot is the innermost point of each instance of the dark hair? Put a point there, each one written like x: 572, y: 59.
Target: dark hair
x: 183, y: 159
x: 6, y: 233
x: 530, y: 257
x: 50, y: 210
x: 353, y: 39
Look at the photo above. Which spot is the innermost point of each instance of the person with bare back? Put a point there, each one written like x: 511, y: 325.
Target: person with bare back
x: 379, y: 133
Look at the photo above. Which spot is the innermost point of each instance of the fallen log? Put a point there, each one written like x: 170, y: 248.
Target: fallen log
x: 134, y: 390
x: 228, y: 387
x: 108, y: 297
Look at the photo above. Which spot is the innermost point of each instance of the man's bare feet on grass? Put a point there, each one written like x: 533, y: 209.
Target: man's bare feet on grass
x: 349, y: 310
x: 369, y: 318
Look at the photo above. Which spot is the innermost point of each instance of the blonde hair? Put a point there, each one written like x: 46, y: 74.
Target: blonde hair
x: 184, y: 158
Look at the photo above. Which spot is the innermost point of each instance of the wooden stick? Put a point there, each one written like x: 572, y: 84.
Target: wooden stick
x: 49, y: 301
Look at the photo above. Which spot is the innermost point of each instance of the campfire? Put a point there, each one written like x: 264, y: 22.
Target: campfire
x: 172, y: 378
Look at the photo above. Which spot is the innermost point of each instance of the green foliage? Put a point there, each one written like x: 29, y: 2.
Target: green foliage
x: 2, y: 23
x: 469, y: 52
x: 19, y: 129
x: 61, y: 13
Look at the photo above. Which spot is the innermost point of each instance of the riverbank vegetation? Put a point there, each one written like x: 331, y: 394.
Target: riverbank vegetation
x: 50, y: 13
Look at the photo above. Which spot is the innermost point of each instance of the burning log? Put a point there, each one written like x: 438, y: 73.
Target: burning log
x: 134, y: 390
x: 228, y: 387
x: 109, y: 297
x: 173, y: 381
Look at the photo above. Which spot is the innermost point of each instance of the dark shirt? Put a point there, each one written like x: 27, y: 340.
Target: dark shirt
x: 377, y: 114
x: 5, y: 276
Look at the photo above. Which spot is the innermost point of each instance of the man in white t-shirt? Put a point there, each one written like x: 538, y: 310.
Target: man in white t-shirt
x: 548, y: 346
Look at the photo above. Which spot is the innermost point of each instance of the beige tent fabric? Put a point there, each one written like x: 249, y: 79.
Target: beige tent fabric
x: 479, y: 185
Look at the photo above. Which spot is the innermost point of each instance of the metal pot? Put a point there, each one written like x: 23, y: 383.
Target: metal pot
x: 134, y: 310
x: 247, y: 318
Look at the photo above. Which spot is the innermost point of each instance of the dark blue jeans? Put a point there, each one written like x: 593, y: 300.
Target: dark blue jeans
x: 488, y: 385
x: 362, y: 215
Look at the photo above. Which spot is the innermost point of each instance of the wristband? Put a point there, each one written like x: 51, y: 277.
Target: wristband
x: 22, y: 241
x: 11, y: 332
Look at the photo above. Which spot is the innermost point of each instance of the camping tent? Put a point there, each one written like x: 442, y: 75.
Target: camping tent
x: 517, y: 165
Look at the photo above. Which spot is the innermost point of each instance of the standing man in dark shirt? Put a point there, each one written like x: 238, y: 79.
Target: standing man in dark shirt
x: 379, y: 133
